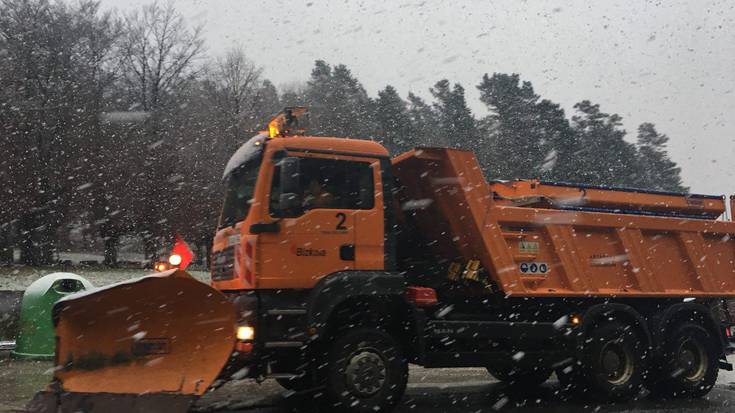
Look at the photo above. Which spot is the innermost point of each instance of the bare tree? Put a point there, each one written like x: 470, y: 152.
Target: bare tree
x: 158, y: 54
x: 158, y: 59
x: 233, y: 82
x: 53, y: 75
x: 222, y: 111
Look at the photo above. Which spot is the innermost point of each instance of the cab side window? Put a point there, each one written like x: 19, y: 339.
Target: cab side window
x: 327, y: 184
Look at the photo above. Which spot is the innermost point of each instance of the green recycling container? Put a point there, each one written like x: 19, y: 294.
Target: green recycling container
x: 36, y: 337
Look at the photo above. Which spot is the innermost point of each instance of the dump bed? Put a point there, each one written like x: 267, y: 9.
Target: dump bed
x: 532, y: 241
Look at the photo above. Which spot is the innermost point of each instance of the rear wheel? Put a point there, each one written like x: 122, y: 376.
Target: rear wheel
x: 367, y: 372
x: 517, y: 376
x: 612, y: 364
x: 690, y: 364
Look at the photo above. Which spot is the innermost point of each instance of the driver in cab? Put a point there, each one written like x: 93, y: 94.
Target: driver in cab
x: 316, y: 195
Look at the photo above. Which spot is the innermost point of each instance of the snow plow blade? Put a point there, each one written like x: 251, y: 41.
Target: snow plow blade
x: 151, y: 344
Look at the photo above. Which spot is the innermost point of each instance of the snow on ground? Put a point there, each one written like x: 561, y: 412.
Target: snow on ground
x: 77, y: 257
x: 20, y: 380
x: 19, y: 278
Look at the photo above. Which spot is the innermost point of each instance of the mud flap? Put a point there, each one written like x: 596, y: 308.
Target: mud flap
x: 150, y: 344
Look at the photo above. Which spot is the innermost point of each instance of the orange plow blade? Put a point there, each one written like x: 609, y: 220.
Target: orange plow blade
x: 150, y: 344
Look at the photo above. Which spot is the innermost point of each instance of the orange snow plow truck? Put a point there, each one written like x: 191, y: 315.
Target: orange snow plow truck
x: 334, y: 266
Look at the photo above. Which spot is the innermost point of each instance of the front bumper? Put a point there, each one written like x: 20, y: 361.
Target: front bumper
x: 244, y: 359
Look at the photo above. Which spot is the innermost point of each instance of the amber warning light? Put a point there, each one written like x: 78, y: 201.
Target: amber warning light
x: 291, y: 121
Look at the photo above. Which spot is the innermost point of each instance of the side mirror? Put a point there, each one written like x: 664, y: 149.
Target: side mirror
x: 290, y: 175
x: 290, y: 198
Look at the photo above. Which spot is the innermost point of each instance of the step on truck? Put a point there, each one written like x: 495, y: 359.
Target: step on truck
x: 334, y: 266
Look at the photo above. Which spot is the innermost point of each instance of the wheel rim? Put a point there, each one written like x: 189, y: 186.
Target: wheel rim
x: 617, y: 363
x: 692, y: 359
x: 365, y: 373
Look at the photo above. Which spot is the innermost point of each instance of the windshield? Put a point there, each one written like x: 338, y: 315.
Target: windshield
x: 239, y: 193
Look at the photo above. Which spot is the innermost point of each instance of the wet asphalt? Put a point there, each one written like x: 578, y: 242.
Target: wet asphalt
x: 429, y: 391
x: 461, y: 391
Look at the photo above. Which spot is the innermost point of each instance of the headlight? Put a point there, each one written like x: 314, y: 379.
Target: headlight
x: 174, y: 259
x: 245, y: 333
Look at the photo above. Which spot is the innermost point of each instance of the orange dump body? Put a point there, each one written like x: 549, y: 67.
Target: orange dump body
x: 540, y: 239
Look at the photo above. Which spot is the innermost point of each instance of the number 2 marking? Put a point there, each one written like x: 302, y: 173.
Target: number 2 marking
x: 342, y: 217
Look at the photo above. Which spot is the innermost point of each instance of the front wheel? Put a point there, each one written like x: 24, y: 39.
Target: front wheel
x: 367, y: 372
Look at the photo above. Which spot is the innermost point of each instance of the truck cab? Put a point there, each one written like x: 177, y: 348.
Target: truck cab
x: 302, y: 202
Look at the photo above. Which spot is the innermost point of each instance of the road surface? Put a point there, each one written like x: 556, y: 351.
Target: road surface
x: 464, y: 391
x: 429, y: 391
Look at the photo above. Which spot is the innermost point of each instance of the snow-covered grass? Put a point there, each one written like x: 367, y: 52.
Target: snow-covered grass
x: 76, y: 257
x: 20, y: 380
x: 19, y: 278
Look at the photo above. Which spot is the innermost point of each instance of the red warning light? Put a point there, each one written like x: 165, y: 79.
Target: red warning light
x: 184, y: 253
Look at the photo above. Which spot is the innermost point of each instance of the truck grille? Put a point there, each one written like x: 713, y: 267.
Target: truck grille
x: 223, y: 264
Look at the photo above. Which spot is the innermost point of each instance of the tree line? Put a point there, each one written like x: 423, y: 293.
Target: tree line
x: 121, y: 125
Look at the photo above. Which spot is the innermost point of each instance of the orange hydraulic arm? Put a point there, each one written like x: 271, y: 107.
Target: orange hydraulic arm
x: 580, y: 197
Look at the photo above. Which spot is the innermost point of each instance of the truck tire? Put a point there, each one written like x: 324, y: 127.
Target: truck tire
x: 690, y: 363
x: 613, y: 365
x: 367, y: 372
x: 522, y: 377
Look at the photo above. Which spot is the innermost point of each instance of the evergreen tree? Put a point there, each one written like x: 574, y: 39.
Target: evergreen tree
x: 657, y: 171
x: 338, y: 103
x: 530, y: 138
x: 267, y: 102
x: 319, y: 98
x: 456, y: 125
x: 423, y: 121
x: 558, y: 142
x: 294, y: 95
x: 393, y: 122
x: 605, y: 157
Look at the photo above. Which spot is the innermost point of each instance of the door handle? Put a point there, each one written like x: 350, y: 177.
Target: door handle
x: 347, y: 252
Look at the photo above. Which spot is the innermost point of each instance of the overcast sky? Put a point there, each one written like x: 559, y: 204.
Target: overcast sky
x: 667, y: 62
